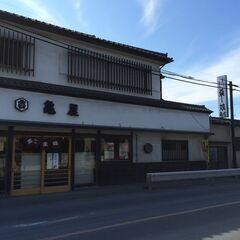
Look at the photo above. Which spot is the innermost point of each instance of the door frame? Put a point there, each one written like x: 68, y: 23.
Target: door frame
x: 220, y: 145
x: 41, y: 188
x: 82, y: 136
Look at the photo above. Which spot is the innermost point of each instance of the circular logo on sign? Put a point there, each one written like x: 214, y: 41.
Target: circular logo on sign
x: 21, y: 104
x: 148, y: 147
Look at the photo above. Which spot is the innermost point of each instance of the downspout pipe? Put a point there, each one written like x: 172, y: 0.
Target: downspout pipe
x: 161, y: 77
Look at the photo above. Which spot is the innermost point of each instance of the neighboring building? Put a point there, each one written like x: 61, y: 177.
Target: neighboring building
x: 220, y: 143
x: 80, y: 110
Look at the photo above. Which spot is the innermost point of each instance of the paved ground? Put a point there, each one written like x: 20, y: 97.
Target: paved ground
x: 179, y: 211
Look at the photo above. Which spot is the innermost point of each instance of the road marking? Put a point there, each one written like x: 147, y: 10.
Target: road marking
x: 63, y: 219
x: 140, y: 220
x: 29, y: 224
x: 45, y: 222
x: 231, y: 235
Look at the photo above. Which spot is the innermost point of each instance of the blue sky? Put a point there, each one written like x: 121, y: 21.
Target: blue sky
x: 203, y: 36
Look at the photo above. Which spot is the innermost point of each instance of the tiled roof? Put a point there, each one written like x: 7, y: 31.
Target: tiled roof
x: 187, y: 106
x: 97, y: 95
x: 221, y: 121
x: 25, y: 21
x: 224, y: 121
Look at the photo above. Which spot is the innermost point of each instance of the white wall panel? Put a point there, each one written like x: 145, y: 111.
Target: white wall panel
x: 100, y: 113
x: 140, y: 138
x: 51, y: 67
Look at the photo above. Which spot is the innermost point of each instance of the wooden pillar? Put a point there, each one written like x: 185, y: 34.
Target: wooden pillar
x: 135, y: 165
x: 8, y: 173
x: 73, y: 140
x: 98, y: 157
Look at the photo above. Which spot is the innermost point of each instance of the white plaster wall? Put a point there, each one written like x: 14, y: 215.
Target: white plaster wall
x: 100, y: 113
x: 51, y: 65
x: 195, y: 149
x: 140, y: 138
x: 221, y: 133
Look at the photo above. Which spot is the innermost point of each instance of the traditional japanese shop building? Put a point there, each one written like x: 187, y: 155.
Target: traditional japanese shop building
x: 79, y: 110
x: 220, y: 143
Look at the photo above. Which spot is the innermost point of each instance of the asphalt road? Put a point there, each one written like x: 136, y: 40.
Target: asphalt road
x: 192, y: 211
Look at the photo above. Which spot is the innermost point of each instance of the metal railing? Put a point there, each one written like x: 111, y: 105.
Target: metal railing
x: 103, y: 71
x: 153, y: 178
x: 17, y: 52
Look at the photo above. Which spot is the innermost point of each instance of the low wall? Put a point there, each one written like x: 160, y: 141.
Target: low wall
x: 125, y: 172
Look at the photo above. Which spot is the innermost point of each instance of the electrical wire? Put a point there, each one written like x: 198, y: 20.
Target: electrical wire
x: 187, y: 77
x: 165, y: 72
x: 194, y: 79
x: 195, y: 83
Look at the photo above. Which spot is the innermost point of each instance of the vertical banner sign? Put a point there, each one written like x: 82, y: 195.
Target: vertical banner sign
x: 222, y: 96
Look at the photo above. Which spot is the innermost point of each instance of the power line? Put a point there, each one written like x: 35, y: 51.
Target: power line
x: 194, y: 79
x: 64, y: 45
x: 187, y: 77
x: 195, y: 83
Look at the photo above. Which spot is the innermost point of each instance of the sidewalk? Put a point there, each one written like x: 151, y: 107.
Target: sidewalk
x: 91, y: 193
x: 83, y: 193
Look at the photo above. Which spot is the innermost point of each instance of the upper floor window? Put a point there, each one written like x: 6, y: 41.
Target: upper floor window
x: 98, y: 70
x: 17, y: 51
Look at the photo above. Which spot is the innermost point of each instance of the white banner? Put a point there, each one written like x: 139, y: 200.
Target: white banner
x: 222, y: 96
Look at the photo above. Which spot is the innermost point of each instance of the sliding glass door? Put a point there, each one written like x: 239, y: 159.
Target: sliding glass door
x: 85, y: 160
x: 41, y: 164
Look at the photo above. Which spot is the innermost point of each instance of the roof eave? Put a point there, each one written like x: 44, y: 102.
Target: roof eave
x: 21, y: 20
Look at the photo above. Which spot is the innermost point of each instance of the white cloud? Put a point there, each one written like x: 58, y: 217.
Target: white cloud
x: 39, y: 11
x: 150, y: 13
x: 78, y: 14
x: 77, y: 4
x: 228, y: 65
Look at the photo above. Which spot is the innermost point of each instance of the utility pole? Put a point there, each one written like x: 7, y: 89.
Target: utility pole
x: 232, y: 125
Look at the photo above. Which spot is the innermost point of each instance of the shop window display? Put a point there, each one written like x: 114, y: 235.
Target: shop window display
x: 41, y: 162
x: 85, y: 160
x: 115, y: 149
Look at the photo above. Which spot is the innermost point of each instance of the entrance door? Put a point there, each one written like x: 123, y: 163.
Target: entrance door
x: 85, y: 160
x: 40, y: 165
x: 218, y: 157
x: 27, y: 162
x: 56, y: 173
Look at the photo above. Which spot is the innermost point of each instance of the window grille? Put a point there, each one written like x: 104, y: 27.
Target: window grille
x: 174, y: 150
x: 102, y: 71
x: 17, y: 52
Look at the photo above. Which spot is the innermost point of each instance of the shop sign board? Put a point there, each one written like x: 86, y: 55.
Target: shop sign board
x: 222, y: 96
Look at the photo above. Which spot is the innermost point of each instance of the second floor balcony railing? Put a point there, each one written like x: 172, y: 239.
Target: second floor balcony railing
x: 89, y: 68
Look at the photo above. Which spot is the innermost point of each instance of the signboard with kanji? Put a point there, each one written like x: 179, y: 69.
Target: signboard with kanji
x: 222, y: 96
